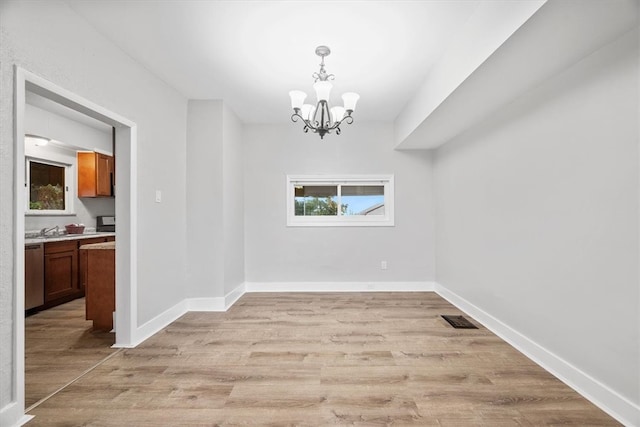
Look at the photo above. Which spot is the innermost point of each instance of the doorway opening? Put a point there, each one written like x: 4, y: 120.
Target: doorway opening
x: 125, y: 209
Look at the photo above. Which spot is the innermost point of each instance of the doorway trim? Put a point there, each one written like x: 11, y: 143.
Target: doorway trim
x: 126, y: 211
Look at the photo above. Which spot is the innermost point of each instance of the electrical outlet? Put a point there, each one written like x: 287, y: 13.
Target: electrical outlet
x: 158, y: 196
x: 383, y: 265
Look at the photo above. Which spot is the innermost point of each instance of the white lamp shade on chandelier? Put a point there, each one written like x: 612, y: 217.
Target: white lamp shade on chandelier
x: 323, y: 90
x: 297, y: 98
x: 337, y: 113
x: 320, y: 118
x: 350, y: 100
x: 308, y: 111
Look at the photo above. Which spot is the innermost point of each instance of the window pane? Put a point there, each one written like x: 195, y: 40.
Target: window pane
x: 316, y: 200
x: 47, y: 187
x: 363, y: 199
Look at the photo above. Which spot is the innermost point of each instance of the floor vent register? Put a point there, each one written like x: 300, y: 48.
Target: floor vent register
x: 459, y: 322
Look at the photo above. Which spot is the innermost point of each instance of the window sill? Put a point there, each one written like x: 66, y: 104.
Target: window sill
x: 49, y: 213
x: 342, y: 223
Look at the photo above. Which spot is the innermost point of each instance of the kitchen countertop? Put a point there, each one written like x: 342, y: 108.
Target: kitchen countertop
x: 64, y: 237
x: 105, y: 245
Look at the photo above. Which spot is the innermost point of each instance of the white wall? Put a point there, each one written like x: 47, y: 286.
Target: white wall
x: 65, y: 50
x: 75, y: 136
x: 233, y: 200
x: 277, y: 253
x: 204, y: 199
x: 39, y: 121
x: 537, y: 216
x: 215, y: 212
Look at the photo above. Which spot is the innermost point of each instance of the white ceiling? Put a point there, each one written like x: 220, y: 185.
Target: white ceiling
x: 251, y: 53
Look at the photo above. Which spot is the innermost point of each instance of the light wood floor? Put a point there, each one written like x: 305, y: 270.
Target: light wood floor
x: 60, y: 346
x: 320, y: 359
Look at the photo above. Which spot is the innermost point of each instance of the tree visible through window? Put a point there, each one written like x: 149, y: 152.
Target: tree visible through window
x: 46, y: 186
x: 320, y: 200
x: 316, y: 200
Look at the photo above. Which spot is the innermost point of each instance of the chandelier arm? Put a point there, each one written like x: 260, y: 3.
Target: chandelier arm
x: 348, y: 119
x: 307, y: 123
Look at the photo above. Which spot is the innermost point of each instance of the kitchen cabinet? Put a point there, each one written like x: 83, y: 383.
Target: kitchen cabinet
x: 54, y: 271
x: 83, y: 259
x: 61, y: 271
x: 33, y: 276
x: 100, y: 273
x: 96, y: 177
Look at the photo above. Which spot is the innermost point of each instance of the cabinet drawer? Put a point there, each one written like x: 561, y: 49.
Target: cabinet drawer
x: 64, y: 246
x: 91, y: 241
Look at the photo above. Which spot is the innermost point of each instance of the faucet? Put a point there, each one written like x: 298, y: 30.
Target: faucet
x: 45, y: 230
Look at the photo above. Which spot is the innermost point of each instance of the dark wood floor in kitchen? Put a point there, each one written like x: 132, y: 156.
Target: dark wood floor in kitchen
x: 320, y: 359
x: 59, y: 346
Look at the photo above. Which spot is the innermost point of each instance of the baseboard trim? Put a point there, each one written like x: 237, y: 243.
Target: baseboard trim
x: 13, y: 415
x: 234, y: 295
x: 217, y: 303
x: 156, y: 324
x: 165, y: 318
x: 205, y: 304
x: 339, y: 286
x: 620, y: 408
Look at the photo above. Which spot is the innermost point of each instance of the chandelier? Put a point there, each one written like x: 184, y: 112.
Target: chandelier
x: 320, y: 118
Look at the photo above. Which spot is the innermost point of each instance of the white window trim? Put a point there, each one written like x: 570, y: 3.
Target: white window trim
x: 68, y: 191
x: 386, y: 220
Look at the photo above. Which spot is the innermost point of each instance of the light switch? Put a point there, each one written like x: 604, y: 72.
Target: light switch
x: 158, y: 196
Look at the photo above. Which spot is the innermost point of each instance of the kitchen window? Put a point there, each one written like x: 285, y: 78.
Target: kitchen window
x: 346, y: 200
x: 47, y: 185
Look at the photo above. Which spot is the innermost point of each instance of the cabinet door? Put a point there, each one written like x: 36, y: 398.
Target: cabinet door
x: 101, y: 279
x: 33, y: 276
x: 61, y: 275
x: 95, y: 174
x: 104, y: 174
x: 82, y: 260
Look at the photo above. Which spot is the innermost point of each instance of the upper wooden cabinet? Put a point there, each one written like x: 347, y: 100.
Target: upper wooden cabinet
x: 95, y: 174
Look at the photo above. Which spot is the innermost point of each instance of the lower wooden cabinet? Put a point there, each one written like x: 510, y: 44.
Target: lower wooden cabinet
x: 64, y: 276
x: 61, y: 271
x: 83, y: 258
x: 99, y: 272
x: 33, y: 275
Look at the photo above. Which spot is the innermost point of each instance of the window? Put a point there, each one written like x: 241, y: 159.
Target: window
x: 340, y: 200
x: 47, y: 187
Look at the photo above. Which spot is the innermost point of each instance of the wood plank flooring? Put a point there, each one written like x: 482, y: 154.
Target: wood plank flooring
x: 362, y: 359
x: 60, y: 346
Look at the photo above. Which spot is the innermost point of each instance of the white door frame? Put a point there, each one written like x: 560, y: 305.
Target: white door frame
x: 126, y: 211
